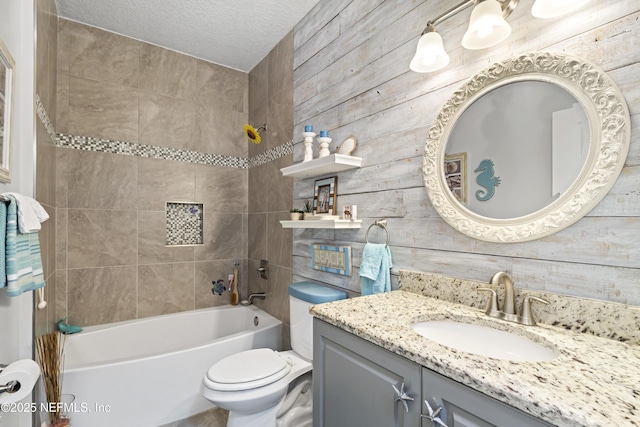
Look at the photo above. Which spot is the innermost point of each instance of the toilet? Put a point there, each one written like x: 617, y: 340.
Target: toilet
x: 266, y: 388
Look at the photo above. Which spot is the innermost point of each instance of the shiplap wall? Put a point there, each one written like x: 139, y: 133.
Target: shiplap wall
x: 351, y: 76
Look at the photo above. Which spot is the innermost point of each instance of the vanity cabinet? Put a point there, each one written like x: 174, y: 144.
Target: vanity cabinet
x: 354, y: 380
x: 355, y: 383
x: 465, y: 407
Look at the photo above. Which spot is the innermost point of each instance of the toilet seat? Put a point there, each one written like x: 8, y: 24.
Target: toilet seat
x: 247, y: 370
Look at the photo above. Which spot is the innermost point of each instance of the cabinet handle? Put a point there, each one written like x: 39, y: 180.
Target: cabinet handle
x: 434, y: 416
x: 402, y: 396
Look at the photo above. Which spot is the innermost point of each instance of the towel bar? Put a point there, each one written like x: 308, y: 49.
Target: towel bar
x: 380, y: 223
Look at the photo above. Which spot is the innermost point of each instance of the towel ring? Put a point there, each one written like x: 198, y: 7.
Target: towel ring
x: 382, y: 224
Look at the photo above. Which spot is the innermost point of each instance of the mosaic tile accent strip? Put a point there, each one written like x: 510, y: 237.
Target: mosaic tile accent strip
x: 185, y: 224
x: 151, y: 151
x: 44, y: 118
x: 272, y: 154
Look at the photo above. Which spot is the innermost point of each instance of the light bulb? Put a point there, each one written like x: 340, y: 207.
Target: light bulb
x: 430, y: 54
x: 487, y: 26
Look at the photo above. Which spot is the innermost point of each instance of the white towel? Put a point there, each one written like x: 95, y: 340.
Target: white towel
x: 30, y: 213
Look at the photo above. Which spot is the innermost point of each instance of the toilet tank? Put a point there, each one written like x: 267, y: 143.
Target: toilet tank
x: 303, y: 295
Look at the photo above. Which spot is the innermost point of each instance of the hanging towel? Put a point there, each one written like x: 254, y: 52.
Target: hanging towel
x: 375, y: 269
x: 23, y: 263
x: 30, y: 212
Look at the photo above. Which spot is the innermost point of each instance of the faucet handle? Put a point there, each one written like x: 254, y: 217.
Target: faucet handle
x: 526, y: 316
x: 493, y: 309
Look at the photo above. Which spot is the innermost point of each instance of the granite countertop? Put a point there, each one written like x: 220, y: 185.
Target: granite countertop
x: 594, y: 381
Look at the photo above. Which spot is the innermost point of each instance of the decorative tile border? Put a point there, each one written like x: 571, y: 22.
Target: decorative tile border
x: 155, y: 152
x: 271, y: 154
x: 44, y: 118
x: 150, y: 151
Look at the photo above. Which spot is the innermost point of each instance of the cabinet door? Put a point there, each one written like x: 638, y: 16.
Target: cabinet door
x: 353, y: 382
x: 465, y: 407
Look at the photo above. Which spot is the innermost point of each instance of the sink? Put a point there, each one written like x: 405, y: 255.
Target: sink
x: 484, y: 341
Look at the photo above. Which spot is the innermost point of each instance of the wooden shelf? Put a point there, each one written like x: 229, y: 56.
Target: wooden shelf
x: 322, y: 223
x: 322, y: 165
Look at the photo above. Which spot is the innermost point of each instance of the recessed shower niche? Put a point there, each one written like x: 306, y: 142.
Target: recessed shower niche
x: 185, y: 223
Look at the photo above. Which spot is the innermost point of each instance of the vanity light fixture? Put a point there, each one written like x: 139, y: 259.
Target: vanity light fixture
x: 487, y: 27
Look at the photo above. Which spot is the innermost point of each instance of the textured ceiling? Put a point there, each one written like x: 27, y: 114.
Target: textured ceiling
x: 233, y: 33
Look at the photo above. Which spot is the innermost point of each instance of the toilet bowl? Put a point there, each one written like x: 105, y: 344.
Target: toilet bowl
x: 263, y: 387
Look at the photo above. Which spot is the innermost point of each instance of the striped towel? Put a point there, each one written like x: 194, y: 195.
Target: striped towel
x: 21, y: 255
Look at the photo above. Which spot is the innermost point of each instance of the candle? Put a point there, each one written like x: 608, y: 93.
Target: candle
x: 324, y: 133
x: 308, y: 128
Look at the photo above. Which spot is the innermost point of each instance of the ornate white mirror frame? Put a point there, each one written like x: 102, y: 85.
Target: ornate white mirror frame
x: 609, y: 122
x: 7, y: 70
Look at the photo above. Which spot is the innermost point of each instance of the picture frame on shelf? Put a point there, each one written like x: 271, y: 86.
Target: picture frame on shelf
x: 324, y: 196
x: 455, y: 166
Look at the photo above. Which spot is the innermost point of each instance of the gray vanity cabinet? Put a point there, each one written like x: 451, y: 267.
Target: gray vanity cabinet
x: 465, y: 407
x: 354, y: 380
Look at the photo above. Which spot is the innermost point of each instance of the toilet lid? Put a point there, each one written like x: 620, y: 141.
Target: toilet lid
x: 248, y: 369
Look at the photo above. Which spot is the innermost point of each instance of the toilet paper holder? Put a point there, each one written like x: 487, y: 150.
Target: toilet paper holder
x: 11, y: 386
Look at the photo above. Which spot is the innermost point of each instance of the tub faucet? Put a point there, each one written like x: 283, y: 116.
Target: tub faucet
x: 249, y: 300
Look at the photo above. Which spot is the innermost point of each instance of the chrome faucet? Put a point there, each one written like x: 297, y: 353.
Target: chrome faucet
x: 508, y: 312
x: 249, y: 300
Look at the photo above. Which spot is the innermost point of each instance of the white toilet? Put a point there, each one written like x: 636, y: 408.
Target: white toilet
x: 266, y: 388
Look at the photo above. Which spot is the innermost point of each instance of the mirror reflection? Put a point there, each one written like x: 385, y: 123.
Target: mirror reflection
x: 3, y: 90
x: 516, y: 149
x: 7, y: 67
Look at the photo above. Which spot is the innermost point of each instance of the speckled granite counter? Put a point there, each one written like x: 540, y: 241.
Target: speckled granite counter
x: 593, y: 382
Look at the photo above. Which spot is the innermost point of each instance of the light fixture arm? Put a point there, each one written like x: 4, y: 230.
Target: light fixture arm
x: 507, y: 7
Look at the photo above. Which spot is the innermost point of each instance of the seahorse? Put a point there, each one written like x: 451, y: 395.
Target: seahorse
x: 486, y: 180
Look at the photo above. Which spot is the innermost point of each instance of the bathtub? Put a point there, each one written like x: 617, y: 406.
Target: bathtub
x: 148, y: 372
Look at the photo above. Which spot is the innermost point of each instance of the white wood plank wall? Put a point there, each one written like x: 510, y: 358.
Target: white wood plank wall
x: 351, y: 76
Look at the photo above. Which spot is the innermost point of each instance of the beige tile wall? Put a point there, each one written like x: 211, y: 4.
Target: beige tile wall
x: 271, y: 194
x: 110, y: 254
x: 46, y: 30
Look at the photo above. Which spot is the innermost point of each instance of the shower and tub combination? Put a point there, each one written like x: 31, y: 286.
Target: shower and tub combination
x: 148, y: 372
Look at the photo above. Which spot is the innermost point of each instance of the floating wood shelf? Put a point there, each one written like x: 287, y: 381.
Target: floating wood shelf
x: 322, y: 165
x: 322, y: 223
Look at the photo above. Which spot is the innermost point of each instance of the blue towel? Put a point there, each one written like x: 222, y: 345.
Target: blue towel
x: 22, y: 257
x: 375, y: 269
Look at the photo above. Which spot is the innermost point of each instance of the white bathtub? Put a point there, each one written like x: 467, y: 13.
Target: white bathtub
x: 148, y: 372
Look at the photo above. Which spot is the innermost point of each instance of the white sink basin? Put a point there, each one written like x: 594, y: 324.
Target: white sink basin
x: 484, y: 341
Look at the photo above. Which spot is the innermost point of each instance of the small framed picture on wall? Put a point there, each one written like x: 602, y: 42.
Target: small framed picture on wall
x: 324, y: 196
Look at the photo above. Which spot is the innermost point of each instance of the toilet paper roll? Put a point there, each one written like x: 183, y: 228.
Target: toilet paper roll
x: 26, y: 372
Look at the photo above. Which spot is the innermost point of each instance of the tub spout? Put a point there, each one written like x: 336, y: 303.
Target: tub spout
x: 249, y: 301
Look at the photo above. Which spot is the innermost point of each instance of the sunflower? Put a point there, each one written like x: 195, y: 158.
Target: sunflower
x: 252, y: 133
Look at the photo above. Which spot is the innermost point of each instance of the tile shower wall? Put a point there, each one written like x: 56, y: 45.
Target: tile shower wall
x: 112, y: 263
x: 351, y: 76
x: 45, y: 75
x: 270, y: 194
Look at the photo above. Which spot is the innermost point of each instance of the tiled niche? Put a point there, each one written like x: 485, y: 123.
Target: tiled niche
x: 185, y: 223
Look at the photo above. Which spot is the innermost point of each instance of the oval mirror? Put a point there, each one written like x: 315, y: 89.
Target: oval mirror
x: 526, y: 147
